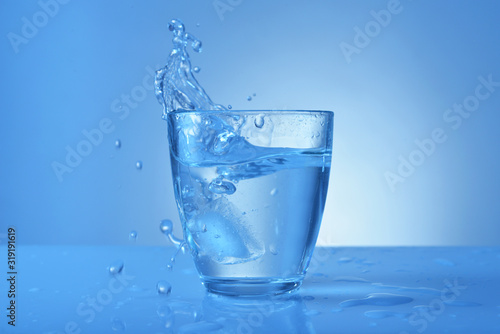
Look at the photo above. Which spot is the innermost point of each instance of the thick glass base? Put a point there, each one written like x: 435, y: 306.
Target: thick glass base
x: 251, y: 287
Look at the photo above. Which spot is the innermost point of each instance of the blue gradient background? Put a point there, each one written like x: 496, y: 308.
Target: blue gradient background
x: 396, y: 90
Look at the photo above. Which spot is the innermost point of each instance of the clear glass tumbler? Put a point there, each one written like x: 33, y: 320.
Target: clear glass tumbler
x: 251, y: 187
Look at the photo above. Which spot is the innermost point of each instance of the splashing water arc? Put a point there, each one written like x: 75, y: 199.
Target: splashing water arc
x: 175, y: 85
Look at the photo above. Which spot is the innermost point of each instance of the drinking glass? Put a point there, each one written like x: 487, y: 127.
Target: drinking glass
x: 250, y: 187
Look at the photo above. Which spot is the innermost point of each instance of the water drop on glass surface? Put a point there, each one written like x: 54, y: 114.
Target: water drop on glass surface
x: 196, y: 69
x: 132, y: 235
x: 118, y: 143
x: 249, y: 98
x: 138, y: 164
x: 163, y: 288
x: 116, y: 267
x: 259, y: 121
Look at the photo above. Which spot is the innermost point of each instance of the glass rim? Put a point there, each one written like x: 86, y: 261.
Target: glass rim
x: 251, y: 111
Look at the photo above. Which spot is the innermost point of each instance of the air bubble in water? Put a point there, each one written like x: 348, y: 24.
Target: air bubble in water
x: 219, y: 186
x: 222, y: 141
x: 116, y: 267
x: 163, y: 288
x: 259, y: 121
x: 196, y: 69
x: 118, y: 143
x: 138, y: 164
x: 132, y: 235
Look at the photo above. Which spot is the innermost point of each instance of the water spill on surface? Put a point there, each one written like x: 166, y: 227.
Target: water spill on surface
x: 378, y: 299
x: 381, y: 314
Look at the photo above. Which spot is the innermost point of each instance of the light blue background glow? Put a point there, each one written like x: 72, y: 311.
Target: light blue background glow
x: 66, y: 78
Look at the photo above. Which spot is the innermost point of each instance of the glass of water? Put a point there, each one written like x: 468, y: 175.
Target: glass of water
x: 251, y: 187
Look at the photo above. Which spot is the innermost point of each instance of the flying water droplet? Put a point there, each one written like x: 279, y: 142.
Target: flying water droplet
x: 166, y: 227
x: 118, y: 143
x: 229, y: 107
x: 197, y: 24
x: 273, y: 250
x: 249, y: 98
x: 254, y: 94
x: 196, y: 45
x: 116, y: 267
x: 259, y: 121
x: 132, y: 235
x: 164, y: 288
x: 274, y: 192
x: 219, y: 186
x: 196, y: 69
x: 138, y: 164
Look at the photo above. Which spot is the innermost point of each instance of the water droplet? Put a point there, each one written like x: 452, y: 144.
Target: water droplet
x: 345, y: 259
x: 229, y: 107
x: 308, y: 298
x: 116, y: 267
x: 138, y: 164
x: 118, y: 143
x: 254, y: 94
x: 197, y: 24
x: 117, y: 325
x: 196, y: 45
x: 204, y: 228
x: 170, y: 267
x: 274, y: 192
x: 219, y: 186
x: 249, y: 98
x: 196, y: 69
x: 259, y: 121
x: 164, y: 288
x: 273, y: 250
x: 166, y: 226
x: 132, y: 235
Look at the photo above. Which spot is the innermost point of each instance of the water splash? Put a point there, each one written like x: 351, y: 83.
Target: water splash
x: 175, y: 85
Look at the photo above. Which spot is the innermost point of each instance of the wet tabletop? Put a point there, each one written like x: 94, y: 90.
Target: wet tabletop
x: 69, y: 289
